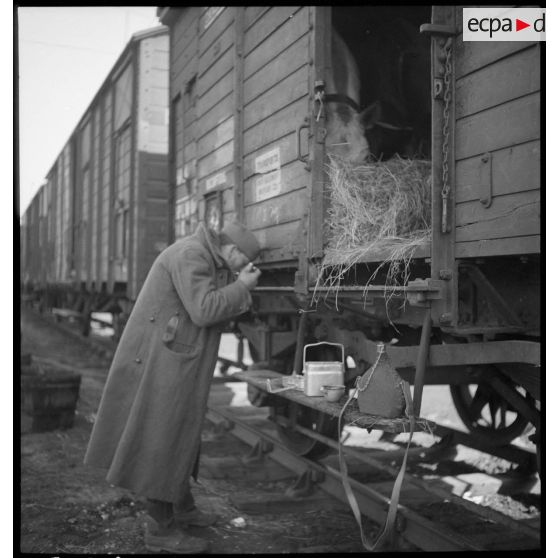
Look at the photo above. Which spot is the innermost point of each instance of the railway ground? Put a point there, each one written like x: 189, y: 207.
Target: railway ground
x: 68, y: 508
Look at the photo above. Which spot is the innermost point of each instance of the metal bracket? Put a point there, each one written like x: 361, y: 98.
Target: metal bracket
x: 321, y: 133
x: 305, y: 484
x: 421, y: 291
x: 438, y: 89
x: 485, y: 182
x: 436, y: 29
x: 258, y: 452
x: 300, y: 157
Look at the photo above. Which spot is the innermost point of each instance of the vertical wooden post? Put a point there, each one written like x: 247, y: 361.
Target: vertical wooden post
x: 422, y: 359
x: 321, y: 57
x: 136, y: 203
x: 443, y: 264
x: 238, y: 69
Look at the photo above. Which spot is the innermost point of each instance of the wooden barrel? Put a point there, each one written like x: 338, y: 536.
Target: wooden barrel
x: 49, y: 397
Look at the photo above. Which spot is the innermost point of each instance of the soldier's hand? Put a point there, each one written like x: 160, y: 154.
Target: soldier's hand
x: 249, y: 275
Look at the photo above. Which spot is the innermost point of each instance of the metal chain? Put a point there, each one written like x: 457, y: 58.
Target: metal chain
x: 445, y: 133
x: 381, y: 348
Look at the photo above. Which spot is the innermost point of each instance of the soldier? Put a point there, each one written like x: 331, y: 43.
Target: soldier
x: 148, y: 427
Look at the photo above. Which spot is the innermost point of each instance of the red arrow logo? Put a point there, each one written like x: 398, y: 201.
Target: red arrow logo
x: 519, y: 25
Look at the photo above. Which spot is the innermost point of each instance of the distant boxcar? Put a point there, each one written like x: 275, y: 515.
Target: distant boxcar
x: 100, y: 219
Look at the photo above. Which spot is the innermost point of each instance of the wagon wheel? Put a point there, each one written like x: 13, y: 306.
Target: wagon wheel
x: 487, y: 415
x: 318, y: 422
x: 312, y: 419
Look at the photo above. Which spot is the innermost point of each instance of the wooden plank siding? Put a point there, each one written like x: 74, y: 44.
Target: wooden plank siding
x: 215, y: 137
x: 280, y: 51
x: 288, y: 61
x: 509, y: 216
x: 106, y: 186
x: 514, y: 169
x: 505, y: 125
x: 184, y: 86
x: 293, y: 177
x: 215, y: 127
x: 252, y: 14
x: 280, y: 209
x: 48, y: 220
x: 275, y: 127
x: 281, y: 95
x: 151, y: 153
x: 95, y: 192
x: 183, y: 49
x: 67, y: 217
x: 473, y: 55
x: 519, y: 74
x: 274, y: 20
x: 84, y: 187
x: 284, y: 241
x: 497, y: 109
x: 210, y: 59
x: 218, y: 92
x: 252, y: 93
x: 276, y: 88
x: 59, y: 234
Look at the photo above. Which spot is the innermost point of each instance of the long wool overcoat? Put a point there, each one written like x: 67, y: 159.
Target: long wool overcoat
x: 149, y: 422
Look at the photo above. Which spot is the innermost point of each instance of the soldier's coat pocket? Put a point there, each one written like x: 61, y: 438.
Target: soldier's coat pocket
x: 171, y: 343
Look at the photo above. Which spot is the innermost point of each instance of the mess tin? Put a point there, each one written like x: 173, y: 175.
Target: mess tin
x: 318, y: 374
x: 333, y: 393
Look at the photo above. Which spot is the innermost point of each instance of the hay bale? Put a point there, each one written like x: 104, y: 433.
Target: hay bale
x: 378, y: 211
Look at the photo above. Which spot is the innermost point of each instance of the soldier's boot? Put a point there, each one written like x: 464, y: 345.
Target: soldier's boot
x: 161, y: 538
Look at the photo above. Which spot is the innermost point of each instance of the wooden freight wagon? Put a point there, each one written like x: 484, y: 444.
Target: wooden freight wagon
x: 30, y: 245
x: 249, y: 137
x: 250, y: 127
x: 105, y: 198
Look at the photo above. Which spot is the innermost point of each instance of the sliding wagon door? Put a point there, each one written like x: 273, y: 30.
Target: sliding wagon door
x: 277, y: 76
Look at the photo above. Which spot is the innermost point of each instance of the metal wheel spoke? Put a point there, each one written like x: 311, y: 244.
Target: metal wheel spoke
x: 503, y: 413
x: 477, y: 404
x: 493, y: 406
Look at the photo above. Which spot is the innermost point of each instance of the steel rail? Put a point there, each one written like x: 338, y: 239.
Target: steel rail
x: 419, y: 531
x: 378, y: 464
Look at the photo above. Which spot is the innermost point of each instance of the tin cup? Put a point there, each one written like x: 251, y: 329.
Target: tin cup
x: 333, y: 393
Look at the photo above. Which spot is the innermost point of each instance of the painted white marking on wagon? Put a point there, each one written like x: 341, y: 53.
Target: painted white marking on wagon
x: 268, y: 165
x: 267, y: 215
x: 214, y: 181
x: 268, y: 161
x: 267, y: 186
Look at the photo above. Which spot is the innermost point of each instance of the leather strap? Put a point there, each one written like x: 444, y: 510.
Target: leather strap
x: 338, y: 98
x: 387, y: 532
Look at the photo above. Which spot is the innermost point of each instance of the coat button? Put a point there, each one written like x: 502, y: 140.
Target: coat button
x: 138, y: 360
x: 151, y: 319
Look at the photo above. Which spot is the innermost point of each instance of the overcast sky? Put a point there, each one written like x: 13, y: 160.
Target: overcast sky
x: 65, y: 54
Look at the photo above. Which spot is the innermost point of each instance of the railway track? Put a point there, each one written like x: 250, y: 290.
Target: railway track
x: 430, y: 516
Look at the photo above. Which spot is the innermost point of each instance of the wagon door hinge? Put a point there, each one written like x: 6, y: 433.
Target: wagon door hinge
x: 421, y: 292
x: 319, y: 96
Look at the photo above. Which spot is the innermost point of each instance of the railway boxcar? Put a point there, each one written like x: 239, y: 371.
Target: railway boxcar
x: 103, y: 210
x: 253, y: 106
